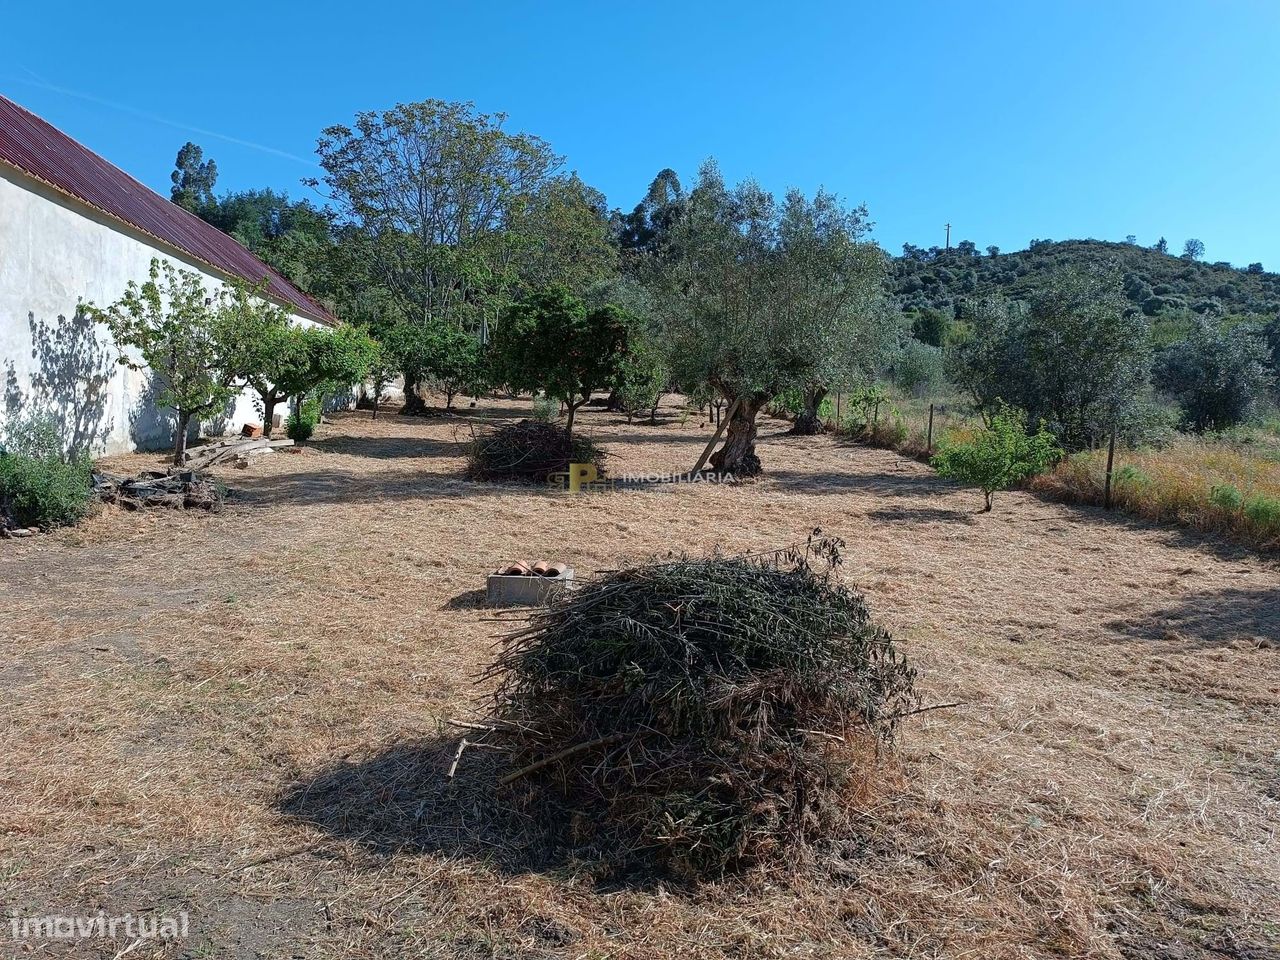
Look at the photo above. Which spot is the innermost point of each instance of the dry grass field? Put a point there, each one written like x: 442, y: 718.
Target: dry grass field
x: 240, y: 715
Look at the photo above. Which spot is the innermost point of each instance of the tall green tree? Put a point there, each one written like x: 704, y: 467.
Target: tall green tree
x: 562, y: 237
x: 433, y: 186
x: 193, y: 179
x: 829, y: 285
x: 1218, y: 376
x: 645, y: 230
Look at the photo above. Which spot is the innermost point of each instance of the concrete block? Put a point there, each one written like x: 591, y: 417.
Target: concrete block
x: 516, y: 590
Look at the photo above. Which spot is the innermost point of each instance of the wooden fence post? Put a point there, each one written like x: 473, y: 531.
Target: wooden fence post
x: 838, y: 411
x: 928, y: 447
x: 1111, y: 462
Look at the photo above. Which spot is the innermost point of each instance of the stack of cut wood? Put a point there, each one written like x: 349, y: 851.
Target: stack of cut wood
x: 178, y: 489
x: 239, y: 450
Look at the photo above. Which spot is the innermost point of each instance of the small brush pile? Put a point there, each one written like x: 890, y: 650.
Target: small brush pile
x: 702, y: 714
x: 529, y: 451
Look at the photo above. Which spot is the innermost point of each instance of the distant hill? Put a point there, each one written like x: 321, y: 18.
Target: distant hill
x: 1158, y: 283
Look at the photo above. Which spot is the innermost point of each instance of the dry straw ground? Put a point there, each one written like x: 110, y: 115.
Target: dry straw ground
x: 239, y: 715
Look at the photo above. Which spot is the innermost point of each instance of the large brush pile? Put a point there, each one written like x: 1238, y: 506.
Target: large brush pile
x: 528, y: 451
x: 705, y: 714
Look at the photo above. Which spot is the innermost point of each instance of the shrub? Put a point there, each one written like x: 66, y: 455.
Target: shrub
x: 301, y: 425
x: 528, y: 451
x: 702, y: 714
x: 1226, y: 496
x: 1130, y: 476
x: 545, y: 409
x: 38, y: 487
x: 1263, y: 511
x: 1000, y: 456
x: 918, y: 368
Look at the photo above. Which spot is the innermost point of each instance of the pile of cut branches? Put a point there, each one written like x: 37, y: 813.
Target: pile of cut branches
x: 528, y: 451
x: 702, y: 714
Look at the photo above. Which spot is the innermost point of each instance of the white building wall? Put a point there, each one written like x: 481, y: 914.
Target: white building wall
x: 56, y: 253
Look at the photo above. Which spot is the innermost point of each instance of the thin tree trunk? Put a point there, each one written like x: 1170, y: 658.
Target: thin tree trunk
x: 269, y: 401
x: 180, y: 441
x: 568, y: 426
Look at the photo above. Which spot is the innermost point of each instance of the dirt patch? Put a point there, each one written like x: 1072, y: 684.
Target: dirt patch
x: 187, y: 697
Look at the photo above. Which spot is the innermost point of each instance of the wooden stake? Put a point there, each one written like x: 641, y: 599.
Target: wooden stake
x: 1111, y: 461
x: 711, y: 444
x: 929, y: 443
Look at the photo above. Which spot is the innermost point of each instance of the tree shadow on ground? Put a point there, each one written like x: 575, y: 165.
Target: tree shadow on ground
x: 905, y: 483
x: 922, y: 515
x: 401, y: 800
x: 1212, y: 619
x: 391, y: 448
x: 325, y: 487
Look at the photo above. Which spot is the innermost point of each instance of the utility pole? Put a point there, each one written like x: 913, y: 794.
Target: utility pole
x: 948, y: 236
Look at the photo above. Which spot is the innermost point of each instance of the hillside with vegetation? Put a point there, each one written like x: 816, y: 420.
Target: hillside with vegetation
x: 1156, y: 281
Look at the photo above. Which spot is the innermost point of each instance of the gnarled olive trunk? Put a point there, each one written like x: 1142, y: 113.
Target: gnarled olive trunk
x: 413, y: 403
x: 809, y: 421
x: 738, y: 454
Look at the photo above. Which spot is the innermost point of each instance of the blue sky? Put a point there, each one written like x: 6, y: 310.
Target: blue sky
x: 1011, y: 120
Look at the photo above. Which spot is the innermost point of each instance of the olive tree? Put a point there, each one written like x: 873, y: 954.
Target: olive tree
x: 1076, y: 356
x: 830, y: 288
x: 1217, y: 376
x: 759, y: 297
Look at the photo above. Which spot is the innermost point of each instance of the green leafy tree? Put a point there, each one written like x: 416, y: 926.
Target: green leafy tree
x: 1077, y: 356
x: 645, y: 230
x: 271, y: 353
x: 643, y: 375
x: 829, y: 286
x: 1161, y: 246
x: 432, y: 188
x: 931, y: 326
x: 171, y: 326
x: 456, y: 363
x: 756, y: 298
x: 999, y: 456
x: 1218, y: 376
x: 193, y: 180
x: 562, y: 236
x: 549, y: 340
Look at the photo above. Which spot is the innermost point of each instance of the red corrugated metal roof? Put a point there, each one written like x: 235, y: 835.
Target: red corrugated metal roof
x: 46, y: 153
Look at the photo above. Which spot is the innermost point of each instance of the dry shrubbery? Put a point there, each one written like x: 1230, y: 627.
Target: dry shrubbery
x: 528, y: 451
x: 1209, y: 486
x: 703, y: 714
